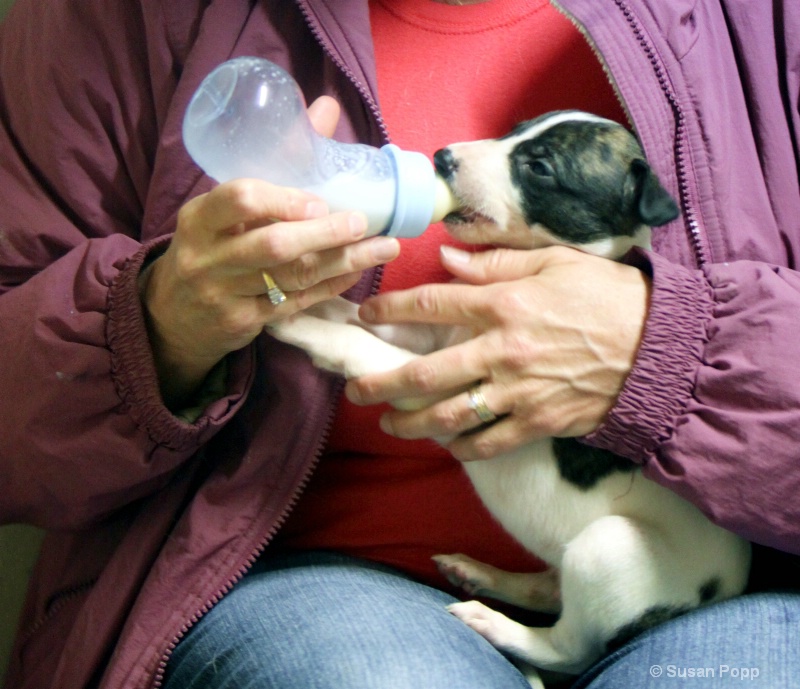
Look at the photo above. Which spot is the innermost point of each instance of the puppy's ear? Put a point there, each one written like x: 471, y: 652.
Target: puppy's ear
x: 652, y: 202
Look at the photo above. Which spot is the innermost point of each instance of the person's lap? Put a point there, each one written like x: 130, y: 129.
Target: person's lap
x: 324, y: 621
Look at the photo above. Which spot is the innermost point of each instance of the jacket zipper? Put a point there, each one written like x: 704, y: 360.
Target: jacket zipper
x: 326, y: 45
x: 55, y: 604
x: 681, y: 156
x: 158, y: 679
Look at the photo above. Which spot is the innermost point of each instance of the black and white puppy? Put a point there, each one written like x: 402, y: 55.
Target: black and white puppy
x: 624, y: 553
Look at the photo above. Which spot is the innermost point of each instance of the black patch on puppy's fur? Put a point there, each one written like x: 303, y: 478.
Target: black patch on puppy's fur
x: 586, y: 181
x: 583, y: 465
x: 657, y: 615
x: 651, y: 618
x: 710, y: 590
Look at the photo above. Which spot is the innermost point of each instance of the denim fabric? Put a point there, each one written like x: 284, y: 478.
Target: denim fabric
x: 325, y: 621
x: 751, y: 641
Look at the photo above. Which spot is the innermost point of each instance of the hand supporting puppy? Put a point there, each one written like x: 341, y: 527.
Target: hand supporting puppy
x: 556, y: 334
x: 205, y: 296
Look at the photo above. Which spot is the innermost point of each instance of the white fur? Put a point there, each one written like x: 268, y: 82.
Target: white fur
x: 616, y: 550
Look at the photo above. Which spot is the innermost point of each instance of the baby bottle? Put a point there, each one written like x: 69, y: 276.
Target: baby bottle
x: 248, y: 119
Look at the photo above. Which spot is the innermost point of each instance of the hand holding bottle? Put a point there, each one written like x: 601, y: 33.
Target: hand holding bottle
x: 205, y: 296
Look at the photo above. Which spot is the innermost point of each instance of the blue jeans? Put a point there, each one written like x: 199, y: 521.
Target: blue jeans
x: 325, y: 621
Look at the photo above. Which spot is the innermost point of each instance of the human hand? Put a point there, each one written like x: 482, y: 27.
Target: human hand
x: 556, y: 333
x: 206, y: 295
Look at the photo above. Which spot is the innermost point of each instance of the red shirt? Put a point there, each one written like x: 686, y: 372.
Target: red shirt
x: 445, y: 73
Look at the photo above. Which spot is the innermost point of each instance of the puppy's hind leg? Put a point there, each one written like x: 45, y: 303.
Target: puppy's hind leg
x: 537, y: 591
x: 614, y: 575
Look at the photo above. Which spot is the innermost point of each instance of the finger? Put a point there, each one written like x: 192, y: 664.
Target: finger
x: 302, y: 299
x: 445, y: 371
x: 498, y: 265
x: 324, y: 115
x: 281, y: 242
x: 312, y: 268
x: 448, y: 304
x: 453, y: 416
x: 490, y: 441
x: 245, y: 202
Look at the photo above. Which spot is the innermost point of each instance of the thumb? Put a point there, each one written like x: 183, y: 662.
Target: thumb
x: 324, y: 115
x: 500, y: 265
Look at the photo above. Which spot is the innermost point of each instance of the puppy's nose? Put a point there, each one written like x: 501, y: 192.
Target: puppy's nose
x: 445, y: 162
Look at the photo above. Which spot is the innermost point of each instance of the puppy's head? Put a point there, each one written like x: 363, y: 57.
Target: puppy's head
x: 564, y: 178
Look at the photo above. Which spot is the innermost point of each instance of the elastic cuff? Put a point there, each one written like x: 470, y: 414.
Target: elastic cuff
x: 133, y: 367
x: 663, y: 377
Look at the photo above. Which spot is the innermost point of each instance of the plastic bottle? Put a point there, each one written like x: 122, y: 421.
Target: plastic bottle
x: 248, y: 119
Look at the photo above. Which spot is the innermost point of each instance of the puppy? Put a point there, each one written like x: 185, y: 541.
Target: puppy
x: 624, y: 553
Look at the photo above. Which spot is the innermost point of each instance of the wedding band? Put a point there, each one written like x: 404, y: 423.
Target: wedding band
x: 274, y: 293
x: 477, y: 402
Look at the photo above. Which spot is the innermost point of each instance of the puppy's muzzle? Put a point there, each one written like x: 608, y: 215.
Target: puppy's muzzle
x: 445, y: 163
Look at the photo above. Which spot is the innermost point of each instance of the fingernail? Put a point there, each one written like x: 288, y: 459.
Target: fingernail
x: 385, y: 248
x: 316, y: 209
x: 386, y: 425
x: 453, y: 255
x: 352, y: 394
x: 358, y: 224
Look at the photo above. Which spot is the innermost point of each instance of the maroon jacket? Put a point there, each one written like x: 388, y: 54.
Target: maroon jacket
x: 152, y: 519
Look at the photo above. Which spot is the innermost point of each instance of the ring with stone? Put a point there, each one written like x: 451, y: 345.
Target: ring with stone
x: 275, y: 294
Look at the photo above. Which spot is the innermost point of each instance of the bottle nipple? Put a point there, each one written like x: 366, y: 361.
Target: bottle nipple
x: 444, y: 202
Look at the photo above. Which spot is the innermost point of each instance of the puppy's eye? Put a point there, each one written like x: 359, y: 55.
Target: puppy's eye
x: 541, y: 168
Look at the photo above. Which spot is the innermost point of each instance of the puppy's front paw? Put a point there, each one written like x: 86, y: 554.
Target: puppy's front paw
x: 474, y: 577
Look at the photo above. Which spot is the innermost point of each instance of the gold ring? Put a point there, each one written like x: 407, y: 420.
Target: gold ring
x: 274, y: 293
x: 477, y: 402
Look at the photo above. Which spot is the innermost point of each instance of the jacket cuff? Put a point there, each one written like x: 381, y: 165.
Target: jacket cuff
x: 134, y: 374
x: 663, y: 377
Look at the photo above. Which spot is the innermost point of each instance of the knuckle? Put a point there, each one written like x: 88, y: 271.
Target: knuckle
x: 422, y: 376
x: 367, y: 391
x: 518, y: 351
x: 211, y: 298
x: 484, y: 447
x: 240, y: 195
x: 497, y: 261
x: 303, y: 299
x: 247, y: 195
x: 188, y: 212
x: 292, y: 202
x: 425, y: 300
x: 334, y: 229
x: 307, y: 271
x: 188, y: 267
x: 275, y: 246
x: 237, y: 324
x: 448, y: 419
x: 509, y: 306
